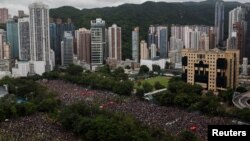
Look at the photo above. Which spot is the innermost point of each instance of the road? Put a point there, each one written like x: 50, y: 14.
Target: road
x: 242, y: 101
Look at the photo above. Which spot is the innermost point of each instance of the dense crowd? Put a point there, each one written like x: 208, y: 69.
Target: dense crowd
x: 37, y: 127
x: 71, y: 93
x: 171, y: 119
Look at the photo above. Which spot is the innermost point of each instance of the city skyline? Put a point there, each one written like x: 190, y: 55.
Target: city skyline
x: 14, y: 5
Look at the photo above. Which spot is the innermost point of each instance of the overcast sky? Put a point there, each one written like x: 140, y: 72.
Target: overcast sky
x: 14, y: 5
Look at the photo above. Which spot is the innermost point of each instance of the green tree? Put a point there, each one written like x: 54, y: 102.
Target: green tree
x: 147, y: 87
x: 156, y: 68
x: 143, y: 69
x: 119, y: 74
x: 104, y: 69
x: 158, y: 85
x: 123, y: 88
x: 167, y: 65
x: 2, y: 114
x: 241, y: 89
x: 243, y: 114
x: 227, y: 96
x: 74, y: 70
x: 140, y: 92
x: 188, y: 136
x: 48, y: 105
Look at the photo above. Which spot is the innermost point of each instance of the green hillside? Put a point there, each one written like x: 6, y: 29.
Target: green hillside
x: 130, y: 15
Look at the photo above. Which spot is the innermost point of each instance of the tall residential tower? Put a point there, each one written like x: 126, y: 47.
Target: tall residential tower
x: 219, y: 23
x: 40, y: 38
x: 98, y: 42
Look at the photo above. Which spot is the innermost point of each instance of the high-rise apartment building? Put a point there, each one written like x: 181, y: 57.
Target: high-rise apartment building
x: 40, y: 38
x: 98, y: 42
x: 211, y: 35
x: 219, y: 23
x: 6, y: 54
x: 83, y: 45
x: 1, y: 46
x: 135, y: 44
x: 247, y: 30
x: 24, y: 39
x: 204, y: 42
x: 3, y: 15
x: 144, y: 55
x: 214, y: 70
x: 53, y: 37
x: 235, y: 15
x: 5, y: 51
x: 158, y: 35
x: 57, y: 30
x: 163, y: 41
x: 67, y: 48
x: 12, y: 38
x: 153, y: 51
x: 115, y: 42
x: 244, y: 67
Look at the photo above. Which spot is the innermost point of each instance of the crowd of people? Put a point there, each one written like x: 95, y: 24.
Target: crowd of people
x: 170, y: 119
x: 37, y: 127
x: 70, y: 93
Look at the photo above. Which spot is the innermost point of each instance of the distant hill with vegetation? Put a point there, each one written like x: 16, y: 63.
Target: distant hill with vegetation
x: 143, y: 15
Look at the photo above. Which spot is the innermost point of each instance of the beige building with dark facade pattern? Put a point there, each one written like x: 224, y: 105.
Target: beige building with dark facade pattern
x: 214, y: 70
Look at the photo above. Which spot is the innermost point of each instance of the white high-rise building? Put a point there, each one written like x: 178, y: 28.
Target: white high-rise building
x: 235, y: 15
x: 98, y: 42
x: 24, y: 39
x: 153, y: 50
x: 39, y: 38
x: 194, y: 39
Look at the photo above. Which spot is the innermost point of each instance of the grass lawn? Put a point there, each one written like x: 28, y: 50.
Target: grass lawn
x: 162, y: 79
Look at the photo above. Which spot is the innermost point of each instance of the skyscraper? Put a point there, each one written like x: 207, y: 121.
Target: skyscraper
x: 40, y: 38
x: 98, y: 42
x: 235, y: 15
x: 24, y: 39
x: 153, y: 51
x: 67, y: 48
x: 163, y: 41
x: 194, y: 39
x: 83, y: 45
x: 12, y: 38
x: 3, y: 15
x: 135, y: 44
x: 115, y: 42
x: 204, y: 42
x: 247, y: 20
x: 144, y: 50
x: 219, y: 23
x: 211, y: 38
x: 53, y: 37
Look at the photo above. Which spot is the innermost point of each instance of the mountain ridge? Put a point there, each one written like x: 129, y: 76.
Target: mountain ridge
x: 143, y: 15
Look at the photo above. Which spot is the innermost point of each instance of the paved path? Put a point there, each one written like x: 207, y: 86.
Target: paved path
x: 155, y: 92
